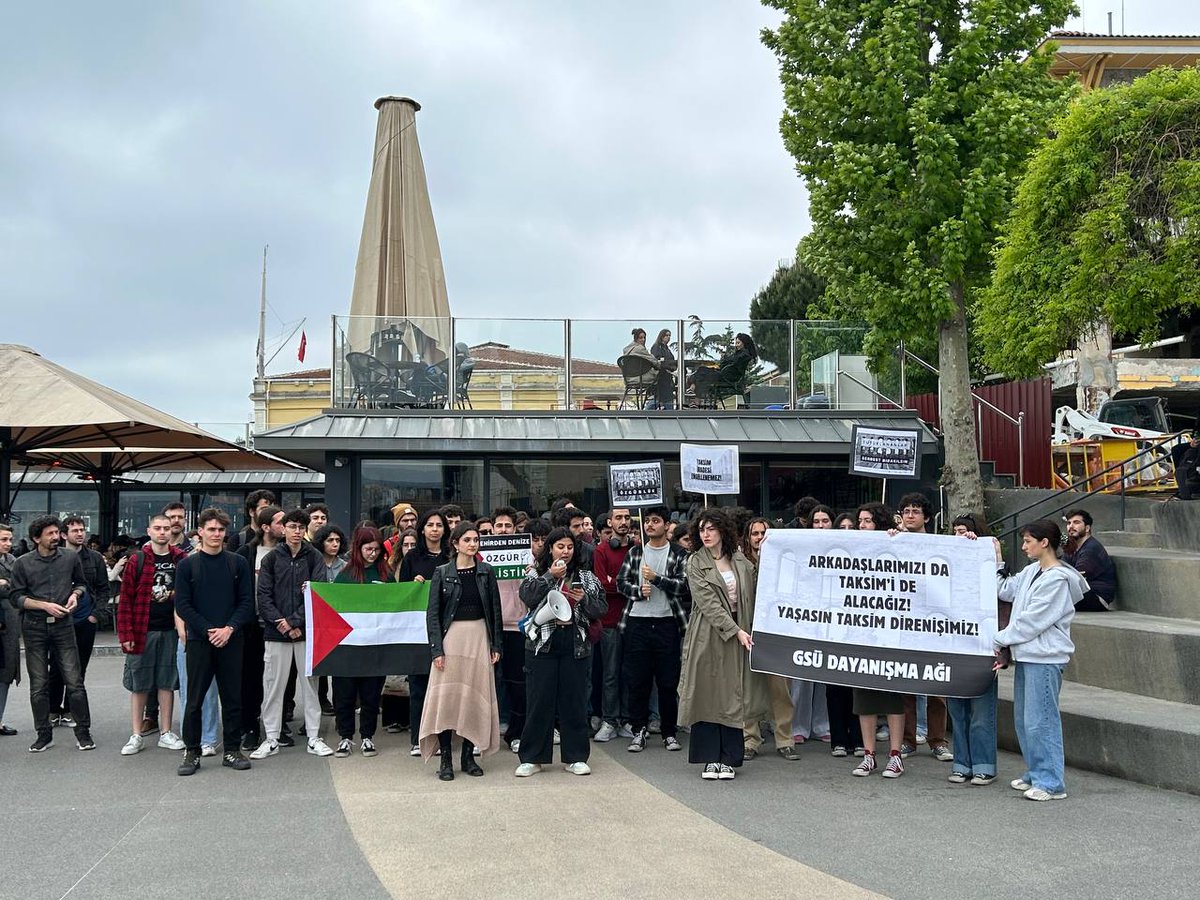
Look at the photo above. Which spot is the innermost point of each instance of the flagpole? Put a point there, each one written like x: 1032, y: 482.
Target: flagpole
x: 262, y: 319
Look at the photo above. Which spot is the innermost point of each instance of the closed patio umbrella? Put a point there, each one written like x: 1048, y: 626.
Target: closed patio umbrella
x: 399, y: 275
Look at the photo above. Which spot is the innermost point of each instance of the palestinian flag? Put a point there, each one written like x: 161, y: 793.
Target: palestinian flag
x: 366, y: 629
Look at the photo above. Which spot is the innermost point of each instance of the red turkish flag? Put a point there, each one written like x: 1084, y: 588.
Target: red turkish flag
x: 303, y: 346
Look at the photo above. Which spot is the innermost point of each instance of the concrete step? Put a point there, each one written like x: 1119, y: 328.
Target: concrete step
x: 1138, y: 654
x: 1139, y: 540
x: 1138, y: 738
x: 1158, y: 582
x: 1135, y: 523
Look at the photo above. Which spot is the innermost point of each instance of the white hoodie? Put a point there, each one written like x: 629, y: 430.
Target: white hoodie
x: 1043, y: 606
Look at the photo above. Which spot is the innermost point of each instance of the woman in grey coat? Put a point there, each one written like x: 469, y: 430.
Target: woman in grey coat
x: 718, y: 693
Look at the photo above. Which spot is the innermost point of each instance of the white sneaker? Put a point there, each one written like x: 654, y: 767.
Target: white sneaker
x: 414, y: 750
x: 1037, y: 793
x: 135, y: 744
x: 579, y: 768
x: 607, y: 732
x: 524, y: 770
x: 265, y: 749
x: 557, y: 738
x: 725, y: 773
x: 318, y: 747
x: 208, y: 750
x: 515, y: 746
x: 625, y: 732
x: 169, y: 740
x: 1018, y: 785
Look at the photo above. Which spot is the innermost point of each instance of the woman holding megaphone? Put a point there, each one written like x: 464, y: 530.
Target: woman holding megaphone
x: 563, y: 599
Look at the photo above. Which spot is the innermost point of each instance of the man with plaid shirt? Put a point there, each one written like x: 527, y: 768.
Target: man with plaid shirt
x: 652, y: 579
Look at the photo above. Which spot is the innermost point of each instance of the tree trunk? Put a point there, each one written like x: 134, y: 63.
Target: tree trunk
x: 960, y: 475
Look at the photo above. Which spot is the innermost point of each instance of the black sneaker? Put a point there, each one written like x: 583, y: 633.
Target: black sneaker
x: 327, y: 708
x: 191, y: 762
x: 250, y: 741
x: 44, y: 742
x: 83, y: 740
x: 235, y: 760
x: 638, y: 744
x: 286, y: 740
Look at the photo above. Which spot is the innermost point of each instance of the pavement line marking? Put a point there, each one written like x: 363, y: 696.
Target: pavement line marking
x: 120, y: 841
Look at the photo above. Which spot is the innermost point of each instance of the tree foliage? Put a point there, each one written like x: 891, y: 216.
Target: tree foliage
x: 794, y: 293
x: 910, y: 121
x: 1106, y: 225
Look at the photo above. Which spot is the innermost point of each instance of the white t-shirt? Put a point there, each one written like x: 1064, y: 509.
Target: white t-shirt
x: 656, y: 606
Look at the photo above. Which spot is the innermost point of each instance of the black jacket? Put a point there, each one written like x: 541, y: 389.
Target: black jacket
x: 420, y: 561
x: 445, y: 591
x: 280, y: 590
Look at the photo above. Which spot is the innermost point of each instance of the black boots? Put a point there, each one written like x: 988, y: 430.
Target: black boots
x: 468, y: 759
x: 446, y: 770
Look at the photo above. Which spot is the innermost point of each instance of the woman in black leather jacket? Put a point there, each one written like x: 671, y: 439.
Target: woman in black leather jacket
x: 464, y: 624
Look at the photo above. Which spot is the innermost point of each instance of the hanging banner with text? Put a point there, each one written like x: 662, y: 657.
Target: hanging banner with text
x: 913, y: 614
x: 509, y: 555
x: 709, y: 469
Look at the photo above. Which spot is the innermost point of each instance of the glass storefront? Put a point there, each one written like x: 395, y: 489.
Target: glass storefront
x: 424, y: 483
x: 134, y: 509
x: 837, y: 489
x: 534, y: 484
x: 77, y: 503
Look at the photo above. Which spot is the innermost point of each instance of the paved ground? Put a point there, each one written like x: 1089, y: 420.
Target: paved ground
x: 101, y: 825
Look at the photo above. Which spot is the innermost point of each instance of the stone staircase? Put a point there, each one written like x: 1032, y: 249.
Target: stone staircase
x: 1131, y: 696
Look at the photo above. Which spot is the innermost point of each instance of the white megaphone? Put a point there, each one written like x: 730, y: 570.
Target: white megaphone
x: 556, y: 607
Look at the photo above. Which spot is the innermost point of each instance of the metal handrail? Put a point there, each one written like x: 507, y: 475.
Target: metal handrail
x: 994, y: 408
x: 840, y: 373
x: 1155, y: 443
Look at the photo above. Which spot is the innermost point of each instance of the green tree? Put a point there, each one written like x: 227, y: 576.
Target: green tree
x: 792, y: 291
x: 910, y: 121
x: 1105, y: 229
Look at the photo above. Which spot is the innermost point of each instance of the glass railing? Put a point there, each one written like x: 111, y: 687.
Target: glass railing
x: 588, y: 364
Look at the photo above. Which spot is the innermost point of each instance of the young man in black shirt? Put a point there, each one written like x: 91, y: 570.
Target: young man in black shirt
x: 214, y: 597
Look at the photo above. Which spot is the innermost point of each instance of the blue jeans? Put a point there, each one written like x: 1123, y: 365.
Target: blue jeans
x: 209, y: 714
x: 1038, y: 724
x: 974, y: 723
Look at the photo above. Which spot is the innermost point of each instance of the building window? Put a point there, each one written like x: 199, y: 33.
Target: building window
x: 134, y: 509
x: 534, y: 484
x: 832, y: 485
x: 425, y: 483
x: 85, y: 504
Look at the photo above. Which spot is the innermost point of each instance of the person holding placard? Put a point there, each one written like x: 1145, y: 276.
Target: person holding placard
x: 1038, y: 639
x: 718, y: 693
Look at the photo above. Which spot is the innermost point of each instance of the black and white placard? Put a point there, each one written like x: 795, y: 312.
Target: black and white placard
x: 884, y: 452
x: 636, y: 483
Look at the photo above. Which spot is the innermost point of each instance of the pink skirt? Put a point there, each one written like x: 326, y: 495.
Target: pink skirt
x: 462, y: 697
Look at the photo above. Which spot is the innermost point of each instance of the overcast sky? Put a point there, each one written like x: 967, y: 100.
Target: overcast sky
x: 598, y: 160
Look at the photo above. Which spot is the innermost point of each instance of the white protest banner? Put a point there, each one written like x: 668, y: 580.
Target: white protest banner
x: 913, y: 614
x: 709, y: 469
x: 635, y: 483
x: 509, y: 555
x: 884, y: 452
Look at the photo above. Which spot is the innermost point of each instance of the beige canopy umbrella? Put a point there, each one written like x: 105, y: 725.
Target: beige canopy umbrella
x: 399, y: 306
x: 53, y: 417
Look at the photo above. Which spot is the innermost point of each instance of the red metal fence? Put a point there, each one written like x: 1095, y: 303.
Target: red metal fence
x: 998, y: 437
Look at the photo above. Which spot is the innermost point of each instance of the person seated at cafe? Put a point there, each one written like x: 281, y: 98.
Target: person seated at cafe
x: 737, y: 362
x: 639, y: 350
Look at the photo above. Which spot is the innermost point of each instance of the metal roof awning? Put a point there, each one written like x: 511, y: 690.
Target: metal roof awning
x: 652, y: 434
x: 177, y: 479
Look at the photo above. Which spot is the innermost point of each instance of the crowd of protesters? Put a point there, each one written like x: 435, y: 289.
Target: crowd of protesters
x: 638, y: 629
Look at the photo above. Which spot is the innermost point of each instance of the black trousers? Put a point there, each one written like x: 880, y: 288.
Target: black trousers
x: 46, y: 643
x: 651, y: 656
x: 512, y: 671
x: 394, y: 709
x: 556, y: 693
x: 1090, y: 603
x: 205, y: 662
x: 843, y: 724
x: 418, y: 685
x: 253, y: 652
x: 709, y: 742
x: 363, y: 691
x: 85, y: 640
